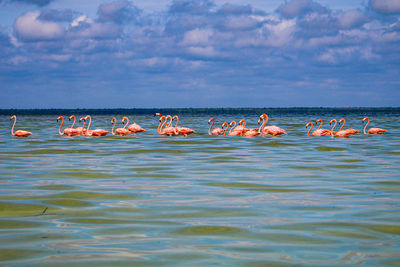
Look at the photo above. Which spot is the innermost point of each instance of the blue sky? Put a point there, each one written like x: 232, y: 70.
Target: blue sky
x: 203, y: 53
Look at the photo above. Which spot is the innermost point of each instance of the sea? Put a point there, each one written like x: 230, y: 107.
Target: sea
x: 200, y: 200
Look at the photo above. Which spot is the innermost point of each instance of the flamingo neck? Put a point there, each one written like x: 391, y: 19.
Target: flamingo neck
x: 162, y: 125
x: 12, y: 128
x: 62, y: 122
x: 209, y: 130
x: 90, y: 122
x: 127, y: 122
x: 83, y: 127
x: 232, y: 127
x: 112, y: 130
x: 265, y: 120
x: 319, y: 125
x: 309, y: 130
x: 225, y: 130
x: 177, y: 121
x: 73, y: 124
x: 344, y: 122
x: 365, y: 127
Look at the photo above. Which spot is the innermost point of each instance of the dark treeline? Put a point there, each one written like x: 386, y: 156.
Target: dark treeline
x: 210, y: 111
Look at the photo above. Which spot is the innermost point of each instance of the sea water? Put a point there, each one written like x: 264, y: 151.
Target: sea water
x: 200, y: 200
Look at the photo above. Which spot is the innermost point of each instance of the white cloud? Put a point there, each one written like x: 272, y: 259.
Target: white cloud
x: 207, y: 51
x: 197, y: 37
x: 29, y: 27
x: 386, y: 6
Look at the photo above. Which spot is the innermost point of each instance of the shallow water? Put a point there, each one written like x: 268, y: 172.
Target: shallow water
x: 199, y: 200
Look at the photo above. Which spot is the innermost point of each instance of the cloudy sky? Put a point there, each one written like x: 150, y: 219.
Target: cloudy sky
x: 199, y: 53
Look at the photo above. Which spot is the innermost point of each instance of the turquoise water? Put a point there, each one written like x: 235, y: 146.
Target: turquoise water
x: 200, y: 200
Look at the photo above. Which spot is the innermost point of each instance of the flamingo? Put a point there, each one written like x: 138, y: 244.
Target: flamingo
x: 182, y: 130
x: 272, y: 130
x: 18, y: 133
x: 330, y: 123
x: 96, y: 132
x: 119, y: 131
x: 79, y: 129
x: 168, y: 130
x: 227, y: 126
x: 248, y: 132
x: 233, y: 131
x: 350, y: 130
x: 373, y: 130
x: 319, y: 131
x: 216, y: 131
x: 339, y: 133
x: 135, y: 128
x: 67, y: 131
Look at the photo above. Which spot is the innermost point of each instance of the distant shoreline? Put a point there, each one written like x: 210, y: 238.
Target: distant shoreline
x: 216, y: 111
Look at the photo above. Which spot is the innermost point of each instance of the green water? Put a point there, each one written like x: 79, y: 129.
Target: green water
x: 200, y: 200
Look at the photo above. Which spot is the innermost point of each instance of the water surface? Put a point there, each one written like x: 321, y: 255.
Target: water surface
x: 200, y: 200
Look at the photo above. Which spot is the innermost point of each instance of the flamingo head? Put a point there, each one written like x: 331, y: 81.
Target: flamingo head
x: 175, y: 117
x: 232, y: 122
x: 162, y: 117
x: 124, y: 119
x: 13, y: 117
x: 88, y: 117
x: 157, y: 114
x: 113, y: 119
x: 341, y: 120
x: 308, y: 124
x: 210, y: 120
x: 319, y: 120
x: 332, y: 120
x: 224, y: 124
x: 71, y: 117
x: 82, y: 119
x: 366, y: 118
x: 60, y: 118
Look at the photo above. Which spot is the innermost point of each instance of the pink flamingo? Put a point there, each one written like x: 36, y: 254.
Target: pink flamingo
x: 135, y: 128
x: 319, y: 131
x: 67, y: 131
x: 350, y: 130
x: 119, y: 131
x: 233, y: 131
x: 373, y: 130
x: 216, y: 131
x: 272, y: 130
x: 96, y: 132
x: 332, y: 130
x: 79, y: 129
x: 223, y: 127
x: 248, y: 132
x: 168, y: 130
x: 18, y: 133
x: 182, y: 130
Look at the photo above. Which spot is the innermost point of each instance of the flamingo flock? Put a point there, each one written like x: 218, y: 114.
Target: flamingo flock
x: 166, y: 127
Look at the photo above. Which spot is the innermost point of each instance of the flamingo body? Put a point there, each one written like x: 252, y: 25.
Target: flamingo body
x: 321, y: 132
x: 135, y: 128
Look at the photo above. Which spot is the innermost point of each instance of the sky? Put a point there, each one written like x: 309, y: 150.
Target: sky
x: 199, y: 53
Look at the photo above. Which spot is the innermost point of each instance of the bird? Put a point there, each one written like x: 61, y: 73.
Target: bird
x: 119, y: 131
x: 319, y: 131
x: 223, y: 127
x: 96, y: 132
x: 18, y: 133
x: 340, y: 133
x: 182, y: 130
x: 79, y: 129
x: 248, y: 132
x: 272, y: 130
x: 168, y: 130
x: 232, y: 131
x: 373, y: 130
x: 134, y: 128
x: 67, y: 131
x: 215, y: 131
x: 350, y: 130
